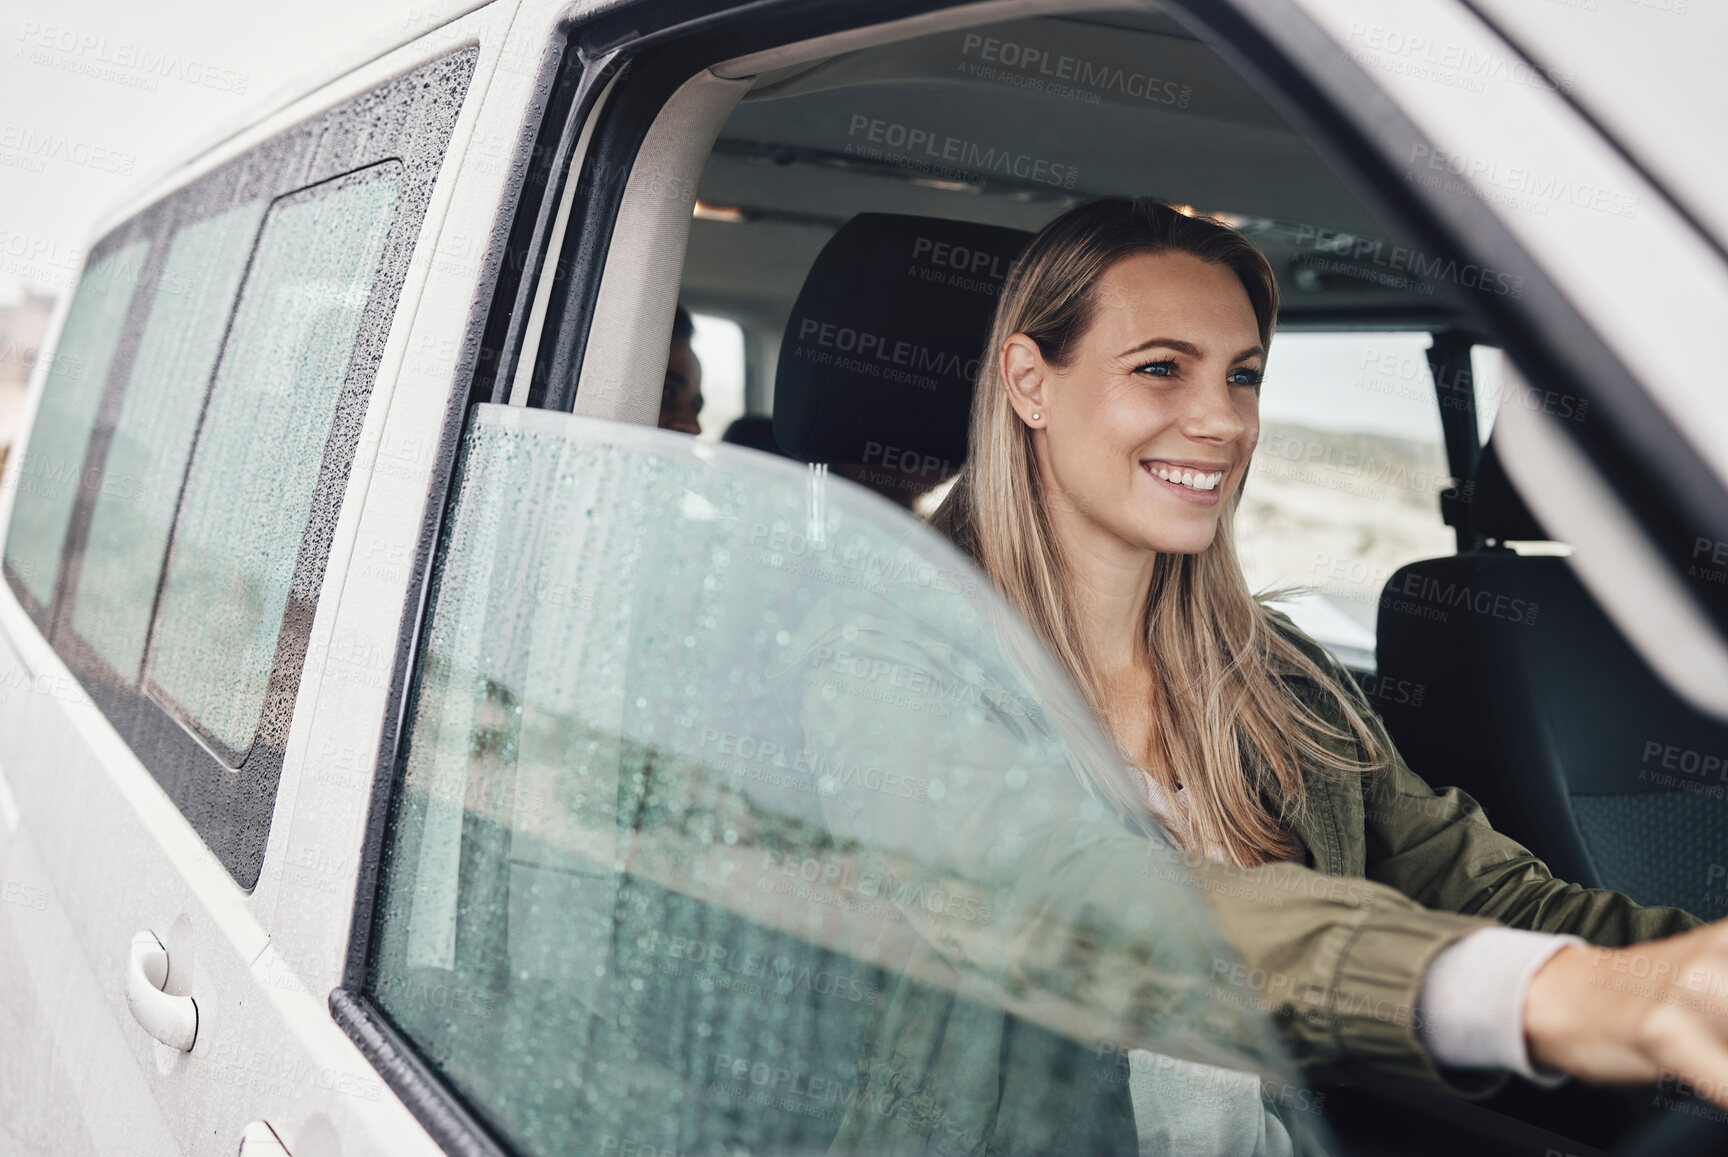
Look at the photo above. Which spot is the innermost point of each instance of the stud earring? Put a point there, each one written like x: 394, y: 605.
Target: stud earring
x: 1036, y: 415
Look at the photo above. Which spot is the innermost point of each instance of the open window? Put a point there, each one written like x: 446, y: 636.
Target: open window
x: 852, y: 198
x: 1002, y: 125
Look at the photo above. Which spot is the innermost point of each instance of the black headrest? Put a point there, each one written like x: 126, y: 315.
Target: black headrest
x: 1496, y: 511
x: 884, y: 342
x: 755, y: 431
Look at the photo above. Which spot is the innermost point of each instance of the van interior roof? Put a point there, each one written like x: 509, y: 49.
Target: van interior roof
x: 787, y: 169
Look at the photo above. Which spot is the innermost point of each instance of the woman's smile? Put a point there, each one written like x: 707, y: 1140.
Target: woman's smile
x: 1198, y: 482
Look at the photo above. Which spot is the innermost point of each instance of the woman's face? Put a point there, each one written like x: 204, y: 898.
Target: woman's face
x: 1146, y: 434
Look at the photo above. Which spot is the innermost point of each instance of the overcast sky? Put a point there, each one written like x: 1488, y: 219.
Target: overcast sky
x: 96, y: 95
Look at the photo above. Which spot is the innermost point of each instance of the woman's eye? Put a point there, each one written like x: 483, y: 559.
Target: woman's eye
x: 1247, y: 378
x: 1163, y: 369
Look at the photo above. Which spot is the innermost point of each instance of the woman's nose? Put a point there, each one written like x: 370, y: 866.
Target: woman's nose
x: 1212, y: 415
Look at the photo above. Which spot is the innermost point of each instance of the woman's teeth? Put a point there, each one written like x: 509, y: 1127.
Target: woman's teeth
x: 1189, y: 478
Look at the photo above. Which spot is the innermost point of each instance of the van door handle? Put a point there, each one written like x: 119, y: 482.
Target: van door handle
x: 173, y: 1020
x: 260, y: 1140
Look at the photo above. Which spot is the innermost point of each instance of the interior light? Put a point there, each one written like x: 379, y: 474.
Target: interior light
x: 718, y: 213
x: 946, y: 186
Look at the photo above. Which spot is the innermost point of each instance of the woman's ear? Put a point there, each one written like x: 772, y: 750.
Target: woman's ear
x: 1024, y: 373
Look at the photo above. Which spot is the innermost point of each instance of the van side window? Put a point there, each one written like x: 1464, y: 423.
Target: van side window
x: 258, y: 457
x: 152, y: 438
x: 54, y: 456
x: 1346, y: 480
x: 701, y: 763
x: 197, y: 443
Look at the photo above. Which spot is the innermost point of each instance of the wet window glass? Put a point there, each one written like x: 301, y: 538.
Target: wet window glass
x: 258, y: 456
x: 736, y: 815
x: 54, y: 456
x: 146, y: 462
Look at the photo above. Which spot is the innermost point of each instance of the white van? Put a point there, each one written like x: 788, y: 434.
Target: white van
x: 397, y: 753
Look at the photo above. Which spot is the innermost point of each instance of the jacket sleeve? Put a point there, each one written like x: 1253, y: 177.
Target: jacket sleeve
x: 1356, y: 950
x: 1338, y: 964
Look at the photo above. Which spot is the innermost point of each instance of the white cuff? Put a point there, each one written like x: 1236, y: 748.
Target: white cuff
x: 1470, y: 1009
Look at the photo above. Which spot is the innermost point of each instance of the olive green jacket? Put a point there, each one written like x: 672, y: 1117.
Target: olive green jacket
x: 1430, y: 869
x: 1334, y: 952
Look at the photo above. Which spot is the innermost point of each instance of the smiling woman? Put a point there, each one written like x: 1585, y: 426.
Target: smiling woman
x: 1132, y: 339
x: 1113, y: 424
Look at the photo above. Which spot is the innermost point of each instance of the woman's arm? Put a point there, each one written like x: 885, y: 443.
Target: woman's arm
x: 1646, y: 1000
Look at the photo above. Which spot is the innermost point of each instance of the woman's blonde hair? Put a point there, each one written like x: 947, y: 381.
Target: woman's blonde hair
x: 1227, y: 718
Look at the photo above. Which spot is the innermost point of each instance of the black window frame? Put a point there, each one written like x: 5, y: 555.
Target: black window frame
x: 657, y: 45
x: 229, y: 797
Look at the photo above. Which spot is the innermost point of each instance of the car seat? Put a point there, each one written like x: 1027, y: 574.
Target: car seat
x: 1525, y: 695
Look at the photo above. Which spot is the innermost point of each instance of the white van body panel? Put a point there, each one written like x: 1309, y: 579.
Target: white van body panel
x: 1592, y: 220
x: 93, y: 850
x: 96, y: 851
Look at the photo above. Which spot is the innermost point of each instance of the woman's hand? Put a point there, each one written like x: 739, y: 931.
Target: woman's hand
x: 1652, y: 1012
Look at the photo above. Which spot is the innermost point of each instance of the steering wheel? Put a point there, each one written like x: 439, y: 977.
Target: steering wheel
x: 1683, y: 1126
